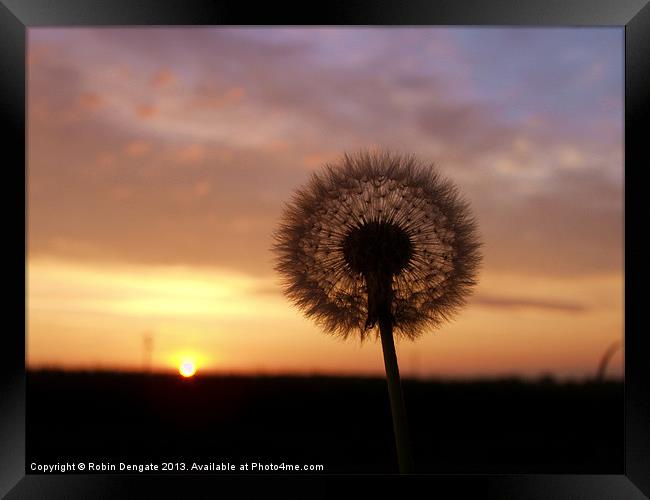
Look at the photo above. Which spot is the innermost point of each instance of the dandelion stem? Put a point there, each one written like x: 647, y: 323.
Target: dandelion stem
x: 400, y: 427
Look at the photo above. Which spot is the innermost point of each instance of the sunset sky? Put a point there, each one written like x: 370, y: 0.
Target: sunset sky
x: 159, y: 160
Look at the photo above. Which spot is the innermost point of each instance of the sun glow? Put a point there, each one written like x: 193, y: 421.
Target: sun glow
x: 187, y: 368
x: 147, y: 292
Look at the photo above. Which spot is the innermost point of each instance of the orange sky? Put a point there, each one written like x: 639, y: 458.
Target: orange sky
x: 159, y: 159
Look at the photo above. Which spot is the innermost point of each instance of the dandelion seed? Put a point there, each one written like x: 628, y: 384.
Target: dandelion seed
x: 376, y: 246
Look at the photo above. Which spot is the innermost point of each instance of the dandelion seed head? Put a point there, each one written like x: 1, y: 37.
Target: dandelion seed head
x: 375, y: 218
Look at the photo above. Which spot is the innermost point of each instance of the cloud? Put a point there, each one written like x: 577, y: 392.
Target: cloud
x: 146, y: 111
x: 105, y: 159
x: 254, y: 110
x: 137, y: 148
x: 91, y: 101
x: 163, y: 78
x: 202, y: 188
x: 191, y: 154
x: 499, y: 302
x: 315, y: 160
x: 122, y: 192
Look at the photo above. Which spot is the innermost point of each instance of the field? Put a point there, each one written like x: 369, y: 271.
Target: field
x: 342, y: 423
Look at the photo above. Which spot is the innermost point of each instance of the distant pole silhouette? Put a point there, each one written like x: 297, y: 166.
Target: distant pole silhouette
x: 147, y: 342
x: 607, y: 356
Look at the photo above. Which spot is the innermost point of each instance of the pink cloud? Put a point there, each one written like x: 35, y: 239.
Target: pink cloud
x: 210, y: 95
x: 316, y: 160
x: 202, y: 188
x: 121, y: 192
x: 91, y: 101
x: 191, y: 154
x: 105, y: 159
x: 163, y: 78
x: 146, y: 111
x: 137, y: 148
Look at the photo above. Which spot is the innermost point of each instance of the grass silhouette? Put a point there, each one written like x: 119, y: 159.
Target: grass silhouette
x: 498, y: 426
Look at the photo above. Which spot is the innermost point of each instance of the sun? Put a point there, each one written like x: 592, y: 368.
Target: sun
x: 187, y: 368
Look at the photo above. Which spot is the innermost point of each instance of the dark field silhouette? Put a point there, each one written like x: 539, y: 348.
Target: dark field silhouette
x: 343, y: 423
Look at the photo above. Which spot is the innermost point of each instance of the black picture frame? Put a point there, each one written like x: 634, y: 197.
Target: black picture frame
x: 18, y: 15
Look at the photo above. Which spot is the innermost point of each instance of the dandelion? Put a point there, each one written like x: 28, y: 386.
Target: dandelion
x: 378, y: 243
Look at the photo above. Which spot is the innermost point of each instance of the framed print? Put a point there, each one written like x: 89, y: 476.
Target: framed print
x: 395, y: 242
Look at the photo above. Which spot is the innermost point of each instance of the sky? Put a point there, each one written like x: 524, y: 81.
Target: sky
x: 159, y: 160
